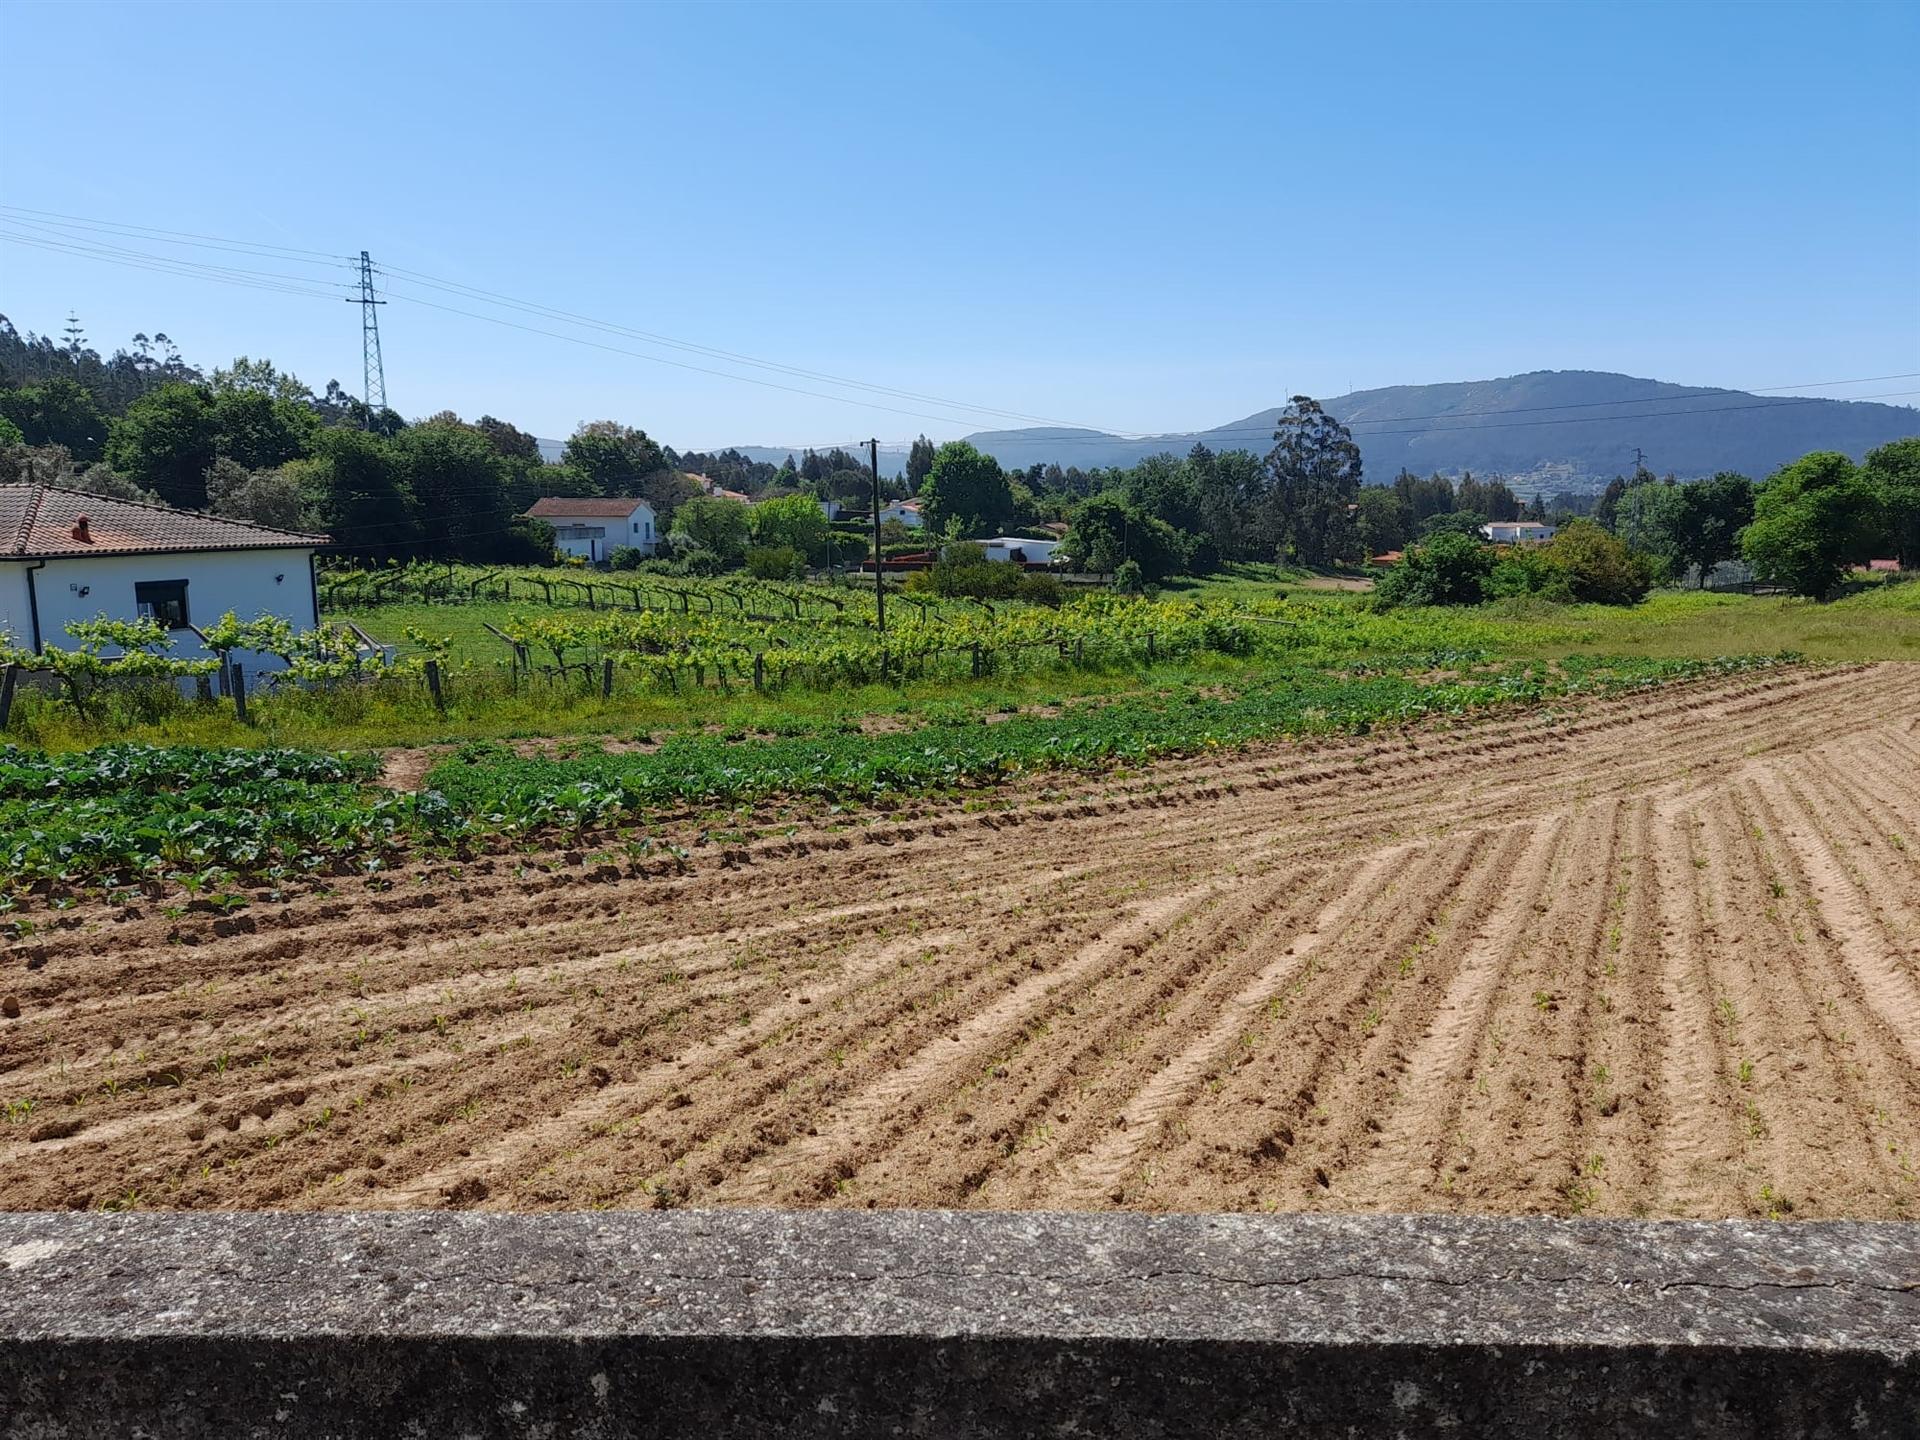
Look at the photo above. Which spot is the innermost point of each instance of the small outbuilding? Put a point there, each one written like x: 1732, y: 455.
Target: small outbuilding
x: 1519, y: 532
x: 1020, y: 550
x: 69, y: 555
x: 592, y: 528
x: 903, y: 512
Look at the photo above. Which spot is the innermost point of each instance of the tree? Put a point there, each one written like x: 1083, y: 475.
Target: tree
x: 1894, y: 469
x: 264, y: 497
x: 360, y: 493
x: 58, y: 412
x: 919, y: 464
x: 615, y: 458
x: 1449, y: 569
x: 166, y: 442
x: 965, y: 493
x: 1704, y: 522
x: 716, y: 525
x: 1812, y: 521
x: 793, y: 522
x: 259, y: 430
x: 1316, y: 475
x: 1382, y: 520
x: 10, y: 433
x: 260, y: 377
x: 458, y: 484
x: 1107, y: 531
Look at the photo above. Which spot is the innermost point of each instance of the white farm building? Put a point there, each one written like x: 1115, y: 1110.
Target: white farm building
x: 592, y: 529
x: 67, y: 555
x: 1519, y: 532
x: 1020, y: 550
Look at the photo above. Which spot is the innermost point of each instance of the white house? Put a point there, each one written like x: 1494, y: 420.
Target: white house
x: 1519, y: 532
x: 906, y: 512
x: 67, y: 555
x: 1020, y: 550
x: 594, y: 528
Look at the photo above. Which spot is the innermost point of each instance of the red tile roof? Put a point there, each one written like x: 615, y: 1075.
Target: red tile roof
x: 39, y: 521
x: 568, y: 507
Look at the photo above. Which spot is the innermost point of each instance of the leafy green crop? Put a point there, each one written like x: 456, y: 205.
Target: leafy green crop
x: 499, y: 789
x: 132, y: 811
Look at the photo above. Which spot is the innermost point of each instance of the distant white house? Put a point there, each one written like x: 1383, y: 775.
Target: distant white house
x: 832, y: 509
x: 67, y: 555
x: 904, y: 512
x: 1519, y: 532
x: 593, y: 529
x: 1019, y: 550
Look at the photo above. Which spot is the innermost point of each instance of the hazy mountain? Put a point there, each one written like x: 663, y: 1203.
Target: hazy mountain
x: 1570, y: 428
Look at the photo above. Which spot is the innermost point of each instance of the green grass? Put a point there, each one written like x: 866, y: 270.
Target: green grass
x: 1882, y: 623
x: 1304, y: 628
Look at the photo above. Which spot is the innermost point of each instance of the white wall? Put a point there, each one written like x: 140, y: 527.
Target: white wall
x: 1036, y: 552
x: 242, y: 581
x: 638, y: 530
x: 13, y: 604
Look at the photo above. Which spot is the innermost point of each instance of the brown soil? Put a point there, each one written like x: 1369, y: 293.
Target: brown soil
x: 1657, y: 956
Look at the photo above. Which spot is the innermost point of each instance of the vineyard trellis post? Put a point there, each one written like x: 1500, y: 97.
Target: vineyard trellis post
x: 759, y: 673
x: 237, y: 682
x: 433, y: 685
x: 6, y: 694
x: 606, y: 679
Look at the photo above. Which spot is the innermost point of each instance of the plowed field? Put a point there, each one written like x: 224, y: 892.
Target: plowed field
x: 1651, y: 956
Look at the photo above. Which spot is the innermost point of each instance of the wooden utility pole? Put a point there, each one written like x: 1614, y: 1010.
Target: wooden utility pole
x: 879, y: 570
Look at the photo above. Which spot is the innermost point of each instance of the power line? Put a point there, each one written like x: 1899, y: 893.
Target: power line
x: 178, y: 234
x: 653, y: 338
x: 165, y: 265
x: 302, y: 285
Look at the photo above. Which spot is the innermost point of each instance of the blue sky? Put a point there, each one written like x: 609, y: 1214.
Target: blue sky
x: 1139, y: 218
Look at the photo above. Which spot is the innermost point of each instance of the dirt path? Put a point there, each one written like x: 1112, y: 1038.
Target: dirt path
x: 1655, y: 956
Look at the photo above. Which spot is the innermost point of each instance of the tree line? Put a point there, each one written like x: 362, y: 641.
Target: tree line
x: 252, y: 442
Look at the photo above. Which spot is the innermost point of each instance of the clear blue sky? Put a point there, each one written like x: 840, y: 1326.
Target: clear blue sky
x: 1141, y: 218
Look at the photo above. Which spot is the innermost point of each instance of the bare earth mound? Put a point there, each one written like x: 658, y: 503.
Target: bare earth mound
x: 1659, y: 956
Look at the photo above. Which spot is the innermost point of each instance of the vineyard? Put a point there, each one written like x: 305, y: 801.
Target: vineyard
x: 589, y: 628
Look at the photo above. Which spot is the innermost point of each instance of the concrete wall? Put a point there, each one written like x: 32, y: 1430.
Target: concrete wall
x: 767, y: 1323
x: 247, y: 582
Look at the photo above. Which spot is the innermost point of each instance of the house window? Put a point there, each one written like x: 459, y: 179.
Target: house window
x: 164, y: 600
x: 636, y: 527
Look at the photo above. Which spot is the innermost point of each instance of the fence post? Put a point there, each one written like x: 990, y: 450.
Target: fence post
x: 433, y: 684
x: 1149, y: 647
x: 237, y: 680
x: 1080, y: 650
x: 976, y: 662
x: 759, y: 672
x: 6, y: 694
x: 606, y: 679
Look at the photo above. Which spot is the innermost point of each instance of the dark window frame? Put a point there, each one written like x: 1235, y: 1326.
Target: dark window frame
x: 163, y: 606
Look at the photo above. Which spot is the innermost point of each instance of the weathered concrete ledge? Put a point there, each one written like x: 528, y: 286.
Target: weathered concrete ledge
x: 767, y: 1323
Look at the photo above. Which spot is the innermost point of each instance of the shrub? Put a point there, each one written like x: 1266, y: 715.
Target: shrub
x: 1129, y: 578
x: 625, y: 557
x: 1040, y: 589
x: 776, y: 562
x: 1597, y: 566
x: 1450, y: 569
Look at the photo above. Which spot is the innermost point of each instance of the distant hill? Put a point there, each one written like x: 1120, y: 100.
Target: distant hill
x: 1565, y: 429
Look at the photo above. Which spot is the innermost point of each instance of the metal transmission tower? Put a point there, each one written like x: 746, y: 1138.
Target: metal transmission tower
x: 376, y: 375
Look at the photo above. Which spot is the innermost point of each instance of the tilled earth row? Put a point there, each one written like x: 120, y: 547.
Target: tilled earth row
x: 1657, y: 955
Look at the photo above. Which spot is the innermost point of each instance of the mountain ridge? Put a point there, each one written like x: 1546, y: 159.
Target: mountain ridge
x: 1570, y: 429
